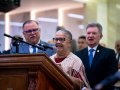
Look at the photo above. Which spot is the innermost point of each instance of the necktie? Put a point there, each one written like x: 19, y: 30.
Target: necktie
x: 91, y: 56
x: 34, y: 49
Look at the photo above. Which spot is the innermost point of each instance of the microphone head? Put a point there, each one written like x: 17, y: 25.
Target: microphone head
x: 16, y: 39
x: 46, y: 46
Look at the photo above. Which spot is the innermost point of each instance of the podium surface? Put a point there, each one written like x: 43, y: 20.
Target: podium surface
x: 31, y: 72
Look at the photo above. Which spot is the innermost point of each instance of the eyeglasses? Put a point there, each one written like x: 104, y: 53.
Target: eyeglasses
x: 59, y: 39
x: 32, y: 30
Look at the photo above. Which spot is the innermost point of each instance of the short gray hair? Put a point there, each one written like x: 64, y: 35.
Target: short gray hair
x: 67, y: 33
x: 29, y: 21
x: 98, y: 25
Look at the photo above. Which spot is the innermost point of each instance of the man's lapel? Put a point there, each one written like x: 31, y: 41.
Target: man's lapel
x: 86, y: 59
x: 96, y: 56
x: 25, y: 48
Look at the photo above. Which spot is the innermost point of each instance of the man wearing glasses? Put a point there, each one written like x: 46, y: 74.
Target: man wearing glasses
x: 31, y: 32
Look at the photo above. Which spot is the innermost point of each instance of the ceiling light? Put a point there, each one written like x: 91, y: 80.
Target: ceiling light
x: 83, y: 1
x: 76, y: 16
x: 12, y: 23
x: 48, y: 20
x: 81, y: 26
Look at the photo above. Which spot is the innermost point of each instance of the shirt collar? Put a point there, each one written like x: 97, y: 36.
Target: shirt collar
x: 95, y: 48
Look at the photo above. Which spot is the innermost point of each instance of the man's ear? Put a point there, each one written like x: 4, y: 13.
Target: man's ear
x: 23, y: 33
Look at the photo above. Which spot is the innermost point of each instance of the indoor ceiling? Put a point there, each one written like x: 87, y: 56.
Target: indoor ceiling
x: 29, y: 5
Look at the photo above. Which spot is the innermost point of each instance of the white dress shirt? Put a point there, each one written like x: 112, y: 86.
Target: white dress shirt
x: 31, y: 49
x: 95, y: 48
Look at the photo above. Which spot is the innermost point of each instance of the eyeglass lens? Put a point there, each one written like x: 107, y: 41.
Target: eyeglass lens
x: 32, y: 30
x: 59, y: 39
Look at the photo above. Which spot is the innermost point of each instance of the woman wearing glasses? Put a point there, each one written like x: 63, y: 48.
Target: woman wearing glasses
x: 67, y: 61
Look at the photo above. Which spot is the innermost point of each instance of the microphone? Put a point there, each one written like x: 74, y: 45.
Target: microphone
x: 46, y: 46
x: 15, y: 37
x: 21, y: 40
x: 16, y: 42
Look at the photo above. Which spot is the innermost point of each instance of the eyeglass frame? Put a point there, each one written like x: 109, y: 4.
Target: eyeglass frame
x: 31, y: 30
x: 59, y: 39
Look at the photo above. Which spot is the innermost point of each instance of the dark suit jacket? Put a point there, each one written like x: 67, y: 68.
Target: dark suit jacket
x: 24, y: 49
x: 109, y: 81
x: 104, y: 64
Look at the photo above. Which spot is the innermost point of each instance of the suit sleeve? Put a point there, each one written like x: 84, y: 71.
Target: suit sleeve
x: 113, y: 63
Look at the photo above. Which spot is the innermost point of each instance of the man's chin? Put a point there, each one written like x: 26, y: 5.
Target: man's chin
x: 33, y: 42
x: 59, y: 50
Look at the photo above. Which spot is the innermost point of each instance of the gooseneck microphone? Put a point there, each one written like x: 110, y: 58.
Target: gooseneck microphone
x: 21, y: 40
x: 46, y: 46
x: 13, y: 37
x: 16, y: 42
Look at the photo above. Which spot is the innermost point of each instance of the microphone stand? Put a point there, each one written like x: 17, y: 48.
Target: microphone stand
x: 20, y: 40
x: 16, y: 44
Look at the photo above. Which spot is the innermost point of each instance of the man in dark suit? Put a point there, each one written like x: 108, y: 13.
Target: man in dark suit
x: 99, y: 62
x: 31, y: 32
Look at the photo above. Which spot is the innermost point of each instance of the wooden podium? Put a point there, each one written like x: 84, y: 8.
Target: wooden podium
x: 31, y: 72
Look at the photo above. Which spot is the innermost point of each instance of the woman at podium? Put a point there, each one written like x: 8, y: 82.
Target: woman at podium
x: 67, y: 61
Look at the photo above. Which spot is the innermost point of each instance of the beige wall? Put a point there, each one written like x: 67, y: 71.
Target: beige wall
x: 107, y: 13
x: 113, y: 21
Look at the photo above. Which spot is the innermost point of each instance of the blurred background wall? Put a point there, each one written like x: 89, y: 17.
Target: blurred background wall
x: 74, y: 15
